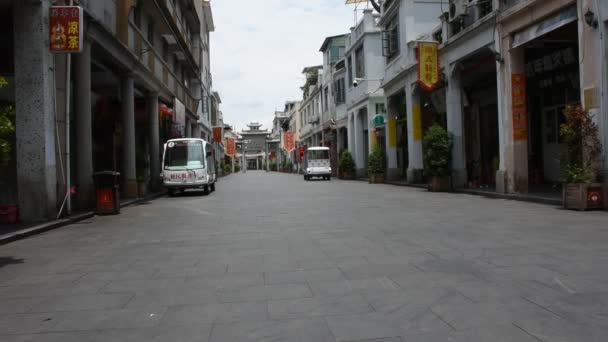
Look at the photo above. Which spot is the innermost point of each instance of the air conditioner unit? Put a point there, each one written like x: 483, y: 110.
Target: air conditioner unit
x: 458, y: 9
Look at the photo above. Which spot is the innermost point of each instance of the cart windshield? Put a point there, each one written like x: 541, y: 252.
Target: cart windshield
x: 184, y: 154
x: 318, y: 154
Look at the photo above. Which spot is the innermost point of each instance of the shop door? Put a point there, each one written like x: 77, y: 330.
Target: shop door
x: 552, y: 146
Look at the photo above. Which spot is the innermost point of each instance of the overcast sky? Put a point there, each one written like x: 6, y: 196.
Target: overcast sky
x: 260, y: 47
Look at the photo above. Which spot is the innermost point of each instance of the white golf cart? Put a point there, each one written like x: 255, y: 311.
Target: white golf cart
x: 188, y: 164
x: 317, y: 163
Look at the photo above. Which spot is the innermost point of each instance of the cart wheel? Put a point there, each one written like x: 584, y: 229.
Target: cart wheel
x: 206, y: 189
x: 212, y: 187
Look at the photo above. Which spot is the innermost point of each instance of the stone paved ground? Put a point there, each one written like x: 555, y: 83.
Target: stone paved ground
x: 269, y: 257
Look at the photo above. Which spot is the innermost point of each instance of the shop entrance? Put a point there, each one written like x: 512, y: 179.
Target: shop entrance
x: 552, y: 82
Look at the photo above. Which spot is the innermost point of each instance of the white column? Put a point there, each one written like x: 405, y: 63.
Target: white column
x: 392, y: 169
x: 128, y: 124
x: 414, y: 135
x: 357, y: 144
x: 349, y: 134
x: 455, y: 127
x: 35, y: 117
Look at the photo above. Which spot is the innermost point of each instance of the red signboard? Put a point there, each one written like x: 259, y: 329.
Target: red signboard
x: 65, y: 29
x: 230, y: 147
x: 428, y: 65
x: 217, y: 134
x: 289, y: 142
x: 520, y: 107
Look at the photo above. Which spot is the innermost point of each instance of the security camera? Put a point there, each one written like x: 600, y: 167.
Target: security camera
x: 356, y: 82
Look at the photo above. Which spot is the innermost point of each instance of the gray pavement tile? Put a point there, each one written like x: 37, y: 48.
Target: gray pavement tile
x: 267, y: 292
x: 388, y: 339
x: 53, y: 289
x: 378, y: 270
x: 344, y: 287
x: 307, y: 307
x: 180, y: 295
x: 215, y: 313
x: 107, y: 319
x: 379, y: 325
x: 208, y: 270
x: 142, y: 285
x: 78, y: 336
x: 302, y: 276
x: 121, y: 275
x: 301, y: 330
x: 182, y: 333
x: 226, y: 281
x: 26, y: 323
x: 19, y: 305
x: 83, y: 302
x: 46, y: 279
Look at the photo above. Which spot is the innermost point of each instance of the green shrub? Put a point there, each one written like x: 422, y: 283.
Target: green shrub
x: 376, y: 164
x: 227, y: 168
x: 581, y: 160
x: 437, y: 146
x: 347, y: 164
x: 237, y: 168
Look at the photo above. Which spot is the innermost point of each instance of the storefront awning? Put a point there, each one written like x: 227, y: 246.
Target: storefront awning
x: 564, y: 17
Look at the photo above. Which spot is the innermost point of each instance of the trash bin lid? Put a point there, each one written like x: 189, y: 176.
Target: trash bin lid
x: 106, y: 173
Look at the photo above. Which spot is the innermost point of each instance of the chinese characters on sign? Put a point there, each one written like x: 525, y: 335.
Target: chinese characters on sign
x: 553, y: 69
x: 289, y: 141
x: 65, y: 29
x: 230, y: 147
x: 520, y: 108
x: 428, y: 65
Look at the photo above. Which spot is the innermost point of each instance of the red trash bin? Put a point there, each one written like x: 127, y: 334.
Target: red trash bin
x: 106, y: 192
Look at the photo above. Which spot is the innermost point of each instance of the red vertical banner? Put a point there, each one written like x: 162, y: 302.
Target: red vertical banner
x: 217, y: 134
x: 65, y: 29
x: 520, y: 107
x: 230, y: 147
x: 289, y: 142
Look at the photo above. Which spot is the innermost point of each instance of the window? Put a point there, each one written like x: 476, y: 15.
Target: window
x: 380, y: 108
x: 175, y: 65
x: 390, y: 39
x: 165, y: 51
x: 339, y: 91
x: 359, y: 63
x: 151, y: 33
x: 326, y: 99
x: 349, y: 67
x: 335, y: 53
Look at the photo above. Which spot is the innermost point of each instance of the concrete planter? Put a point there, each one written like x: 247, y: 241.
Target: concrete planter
x: 583, y: 196
x: 376, y: 178
x: 440, y: 184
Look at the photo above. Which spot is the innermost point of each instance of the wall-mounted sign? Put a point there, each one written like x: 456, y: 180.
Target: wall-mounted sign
x: 65, y: 27
x: 289, y: 143
x: 519, y: 107
x: 217, y: 134
x: 230, y: 147
x: 428, y: 65
x: 379, y: 120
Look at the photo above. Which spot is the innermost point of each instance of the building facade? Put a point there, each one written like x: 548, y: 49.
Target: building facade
x: 136, y: 83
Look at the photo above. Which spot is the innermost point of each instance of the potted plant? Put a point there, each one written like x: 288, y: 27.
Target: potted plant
x: 580, y: 160
x: 376, y: 165
x: 437, y: 149
x: 347, y: 166
x: 227, y: 169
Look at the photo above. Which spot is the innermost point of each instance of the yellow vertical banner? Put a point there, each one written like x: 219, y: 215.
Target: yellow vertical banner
x: 373, y: 139
x: 417, y: 122
x: 428, y: 65
x: 392, y: 132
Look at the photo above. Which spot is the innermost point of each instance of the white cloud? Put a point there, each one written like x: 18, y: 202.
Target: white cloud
x: 260, y: 47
